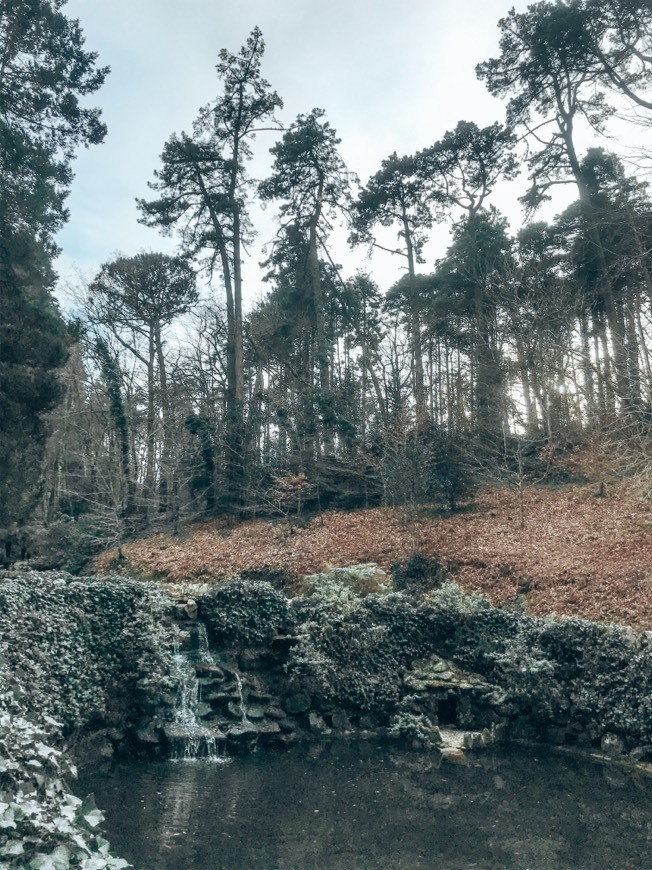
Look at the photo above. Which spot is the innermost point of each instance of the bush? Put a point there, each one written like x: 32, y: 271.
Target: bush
x: 91, y: 635
x: 429, y: 468
x: 418, y: 574
x: 243, y: 612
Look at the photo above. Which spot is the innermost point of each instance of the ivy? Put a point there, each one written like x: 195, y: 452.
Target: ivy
x: 67, y: 646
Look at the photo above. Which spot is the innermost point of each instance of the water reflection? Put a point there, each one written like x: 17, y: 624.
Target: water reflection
x: 370, y: 806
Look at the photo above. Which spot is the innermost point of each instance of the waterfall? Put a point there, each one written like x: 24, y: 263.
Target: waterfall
x: 239, y: 699
x: 189, y: 739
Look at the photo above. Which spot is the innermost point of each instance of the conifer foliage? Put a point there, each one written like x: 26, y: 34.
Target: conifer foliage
x: 332, y: 391
x: 45, y: 74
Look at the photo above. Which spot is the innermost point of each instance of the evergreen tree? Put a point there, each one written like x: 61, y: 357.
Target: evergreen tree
x: 45, y: 73
x: 203, y: 189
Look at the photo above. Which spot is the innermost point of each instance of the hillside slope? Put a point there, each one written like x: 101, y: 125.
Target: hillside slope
x: 576, y: 554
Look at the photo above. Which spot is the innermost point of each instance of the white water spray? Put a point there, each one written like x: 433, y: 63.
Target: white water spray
x: 192, y: 740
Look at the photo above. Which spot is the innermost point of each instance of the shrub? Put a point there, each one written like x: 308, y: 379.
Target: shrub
x: 429, y: 467
x: 418, y: 574
x: 243, y: 612
x: 73, y: 640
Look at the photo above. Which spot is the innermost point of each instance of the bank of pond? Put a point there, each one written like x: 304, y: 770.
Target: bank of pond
x: 351, y: 725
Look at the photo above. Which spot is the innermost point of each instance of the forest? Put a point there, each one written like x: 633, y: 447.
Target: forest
x: 168, y: 400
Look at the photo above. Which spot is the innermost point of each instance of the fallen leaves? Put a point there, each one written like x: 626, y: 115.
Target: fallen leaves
x: 576, y: 554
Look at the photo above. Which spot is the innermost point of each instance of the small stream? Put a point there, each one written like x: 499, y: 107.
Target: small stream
x: 369, y: 805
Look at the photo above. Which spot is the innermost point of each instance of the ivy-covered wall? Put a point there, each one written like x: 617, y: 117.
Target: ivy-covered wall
x: 562, y: 680
x: 574, y: 681
x: 73, y: 653
x: 94, y: 654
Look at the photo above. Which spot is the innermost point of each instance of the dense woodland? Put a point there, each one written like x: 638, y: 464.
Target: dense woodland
x: 168, y: 401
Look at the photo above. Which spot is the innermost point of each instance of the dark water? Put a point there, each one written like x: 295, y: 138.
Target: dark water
x: 364, y: 805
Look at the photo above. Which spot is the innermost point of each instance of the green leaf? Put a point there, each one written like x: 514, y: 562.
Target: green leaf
x: 58, y: 860
x: 12, y: 849
x: 89, y: 814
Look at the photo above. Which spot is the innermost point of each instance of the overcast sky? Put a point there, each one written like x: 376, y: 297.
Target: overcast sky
x: 392, y: 76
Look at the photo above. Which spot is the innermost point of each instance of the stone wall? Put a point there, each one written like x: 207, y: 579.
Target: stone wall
x: 340, y: 661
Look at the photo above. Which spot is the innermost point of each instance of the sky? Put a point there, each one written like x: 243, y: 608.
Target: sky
x: 391, y: 76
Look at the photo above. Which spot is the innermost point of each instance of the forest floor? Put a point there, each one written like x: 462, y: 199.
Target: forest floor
x: 575, y: 553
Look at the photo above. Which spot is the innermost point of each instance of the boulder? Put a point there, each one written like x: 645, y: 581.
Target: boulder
x: 234, y: 709
x: 208, y: 669
x: 274, y: 713
x: 269, y: 731
x: 642, y: 753
x: 340, y: 721
x: 282, y: 644
x: 316, y: 723
x: 244, y: 734
x: 297, y: 703
x: 203, y: 709
x: 612, y: 744
x: 255, y: 713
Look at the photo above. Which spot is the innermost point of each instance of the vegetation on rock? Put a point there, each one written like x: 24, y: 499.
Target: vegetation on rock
x: 72, y: 653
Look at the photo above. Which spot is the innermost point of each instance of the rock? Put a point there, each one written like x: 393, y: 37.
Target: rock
x: 456, y: 756
x: 174, y: 732
x: 316, y: 723
x: 282, y: 644
x: 247, y: 732
x: 288, y: 740
x: 642, y: 753
x: 612, y: 744
x: 257, y: 697
x: 190, y: 609
x: 473, y: 740
x: 269, y: 729
x: 217, y: 734
x: 203, y: 709
x: 274, y: 713
x: 451, y: 738
x: 208, y: 669
x: 234, y: 709
x: 255, y: 713
x: 215, y: 697
x: 340, y: 721
x: 437, y: 666
x: 287, y: 726
x: 298, y: 703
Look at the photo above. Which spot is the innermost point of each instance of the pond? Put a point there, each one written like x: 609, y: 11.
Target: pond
x: 369, y: 805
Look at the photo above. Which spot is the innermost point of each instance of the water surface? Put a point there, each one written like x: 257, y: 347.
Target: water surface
x: 366, y: 805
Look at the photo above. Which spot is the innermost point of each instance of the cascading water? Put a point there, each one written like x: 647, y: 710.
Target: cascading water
x: 188, y: 738
x: 239, y: 699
